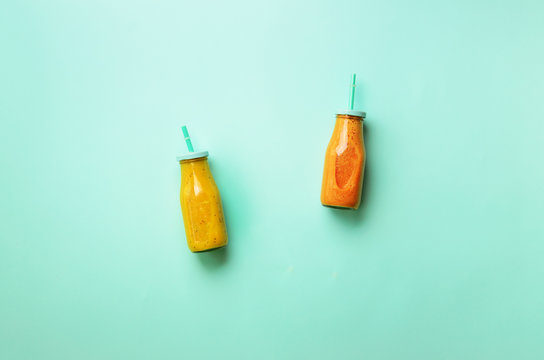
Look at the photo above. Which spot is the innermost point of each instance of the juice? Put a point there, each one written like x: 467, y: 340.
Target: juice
x: 201, y: 204
x: 344, y: 162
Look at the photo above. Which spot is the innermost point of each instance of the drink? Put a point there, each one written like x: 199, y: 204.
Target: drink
x: 344, y: 162
x: 201, y: 203
x: 345, y: 159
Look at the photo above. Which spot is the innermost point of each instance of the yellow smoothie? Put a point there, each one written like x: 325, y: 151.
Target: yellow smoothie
x: 344, y: 164
x: 201, y: 206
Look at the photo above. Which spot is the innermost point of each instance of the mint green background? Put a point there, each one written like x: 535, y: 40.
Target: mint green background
x: 443, y: 261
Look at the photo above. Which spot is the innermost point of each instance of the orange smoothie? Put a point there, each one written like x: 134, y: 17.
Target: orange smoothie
x: 201, y: 206
x: 344, y: 163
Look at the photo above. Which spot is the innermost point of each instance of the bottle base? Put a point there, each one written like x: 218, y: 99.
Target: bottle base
x: 208, y: 250
x: 340, y: 207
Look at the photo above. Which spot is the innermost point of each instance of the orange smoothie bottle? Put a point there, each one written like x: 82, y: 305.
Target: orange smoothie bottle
x: 200, y: 201
x: 345, y: 160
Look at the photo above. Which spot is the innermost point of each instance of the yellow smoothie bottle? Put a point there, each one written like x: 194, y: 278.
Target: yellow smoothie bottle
x: 345, y: 159
x: 200, y: 202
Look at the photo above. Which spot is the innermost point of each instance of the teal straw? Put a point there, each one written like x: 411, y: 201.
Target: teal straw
x: 187, y: 138
x: 352, y: 95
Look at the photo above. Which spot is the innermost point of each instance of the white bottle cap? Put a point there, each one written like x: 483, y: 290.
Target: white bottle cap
x: 192, y: 155
x: 360, y: 114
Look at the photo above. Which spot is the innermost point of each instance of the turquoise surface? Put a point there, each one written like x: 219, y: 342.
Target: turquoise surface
x: 442, y: 261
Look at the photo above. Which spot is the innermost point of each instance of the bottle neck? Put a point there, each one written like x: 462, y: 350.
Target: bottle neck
x: 345, y: 117
x: 193, y: 160
x: 355, y: 123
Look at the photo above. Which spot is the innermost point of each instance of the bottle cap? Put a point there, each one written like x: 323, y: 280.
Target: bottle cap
x: 360, y: 114
x: 192, y: 155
